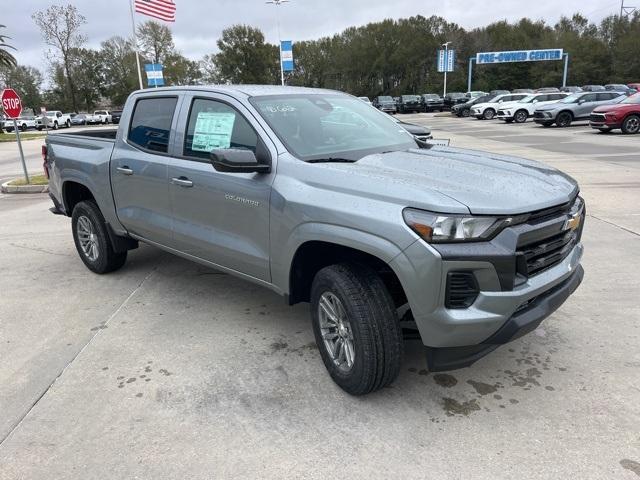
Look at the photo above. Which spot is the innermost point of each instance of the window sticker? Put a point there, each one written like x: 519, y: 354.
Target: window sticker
x: 213, y: 130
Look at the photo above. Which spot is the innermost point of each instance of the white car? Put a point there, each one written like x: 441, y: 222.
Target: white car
x: 488, y: 110
x: 102, y: 116
x: 54, y: 119
x: 521, y: 110
x: 24, y: 123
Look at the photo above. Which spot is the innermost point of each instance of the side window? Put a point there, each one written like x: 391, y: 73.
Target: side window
x: 215, y: 125
x: 590, y: 97
x: 151, y: 123
x: 556, y: 96
x: 606, y: 96
x: 542, y: 98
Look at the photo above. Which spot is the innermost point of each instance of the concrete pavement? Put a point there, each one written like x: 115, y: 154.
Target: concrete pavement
x: 169, y: 370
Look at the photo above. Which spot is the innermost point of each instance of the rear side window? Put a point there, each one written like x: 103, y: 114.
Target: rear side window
x: 151, y: 123
x: 216, y: 125
x: 591, y: 97
x: 556, y: 96
x: 607, y: 96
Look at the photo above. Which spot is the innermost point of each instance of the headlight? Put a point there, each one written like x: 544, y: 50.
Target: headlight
x: 443, y: 228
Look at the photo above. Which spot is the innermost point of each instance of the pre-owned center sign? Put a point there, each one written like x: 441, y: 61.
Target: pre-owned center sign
x: 519, y: 56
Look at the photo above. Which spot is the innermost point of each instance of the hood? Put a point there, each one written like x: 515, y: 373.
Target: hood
x: 451, y: 180
x: 612, y: 107
x: 414, y: 129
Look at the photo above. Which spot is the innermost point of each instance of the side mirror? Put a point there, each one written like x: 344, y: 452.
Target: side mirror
x: 581, y: 101
x: 58, y: 114
x: 235, y: 160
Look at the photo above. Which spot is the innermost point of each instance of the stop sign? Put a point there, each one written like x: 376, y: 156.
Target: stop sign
x: 11, y: 103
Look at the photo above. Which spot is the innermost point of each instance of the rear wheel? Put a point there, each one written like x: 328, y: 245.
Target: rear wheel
x: 356, y: 328
x: 68, y: 123
x: 55, y: 125
x: 489, y: 113
x: 92, y: 239
x: 564, y: 119
x: 521, y: 116
x: 631, y: 124
x: 23, y: 127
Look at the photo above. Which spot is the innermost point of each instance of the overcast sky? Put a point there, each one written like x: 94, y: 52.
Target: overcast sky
x: 199, y: 22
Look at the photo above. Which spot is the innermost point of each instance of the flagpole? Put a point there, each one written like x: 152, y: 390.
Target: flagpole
x: 135, y: 40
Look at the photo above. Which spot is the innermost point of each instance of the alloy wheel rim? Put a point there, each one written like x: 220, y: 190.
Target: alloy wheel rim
x: 633, y: 124
x: 336, y: 331
x: 520, y: 117
x: 87, y: 238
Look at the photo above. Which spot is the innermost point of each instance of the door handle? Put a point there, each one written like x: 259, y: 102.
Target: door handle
x: 125, y: 170
x: 182, y: 181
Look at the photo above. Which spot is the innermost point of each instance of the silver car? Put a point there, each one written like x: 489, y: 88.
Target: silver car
x: 577, y: 106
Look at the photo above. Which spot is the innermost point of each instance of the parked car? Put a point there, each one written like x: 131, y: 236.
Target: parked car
x: 475, y: 94
x: 53, y: 119
x: 364, y: 99
x: 82, y: 119
x: 592, y: 88
x: 499, y: 92
x: 432, y: 102
x: 522, y: 109
x: 338, y: 217
x: 453, y: 98
x: 385, y: 104
x: 577, y: 106
x: 102, y: 116
x: 116, y: 114
x: 570, y: 89
x: 419, y: 132
x: 464, y: 109
x: 24, y: 123
x: 634, y: 86
x: 547, y: 90
x: 488, y: 110
x: 624, y: 115
x: 522, y: 90
x: 409, y: 103
x: 617, y: 87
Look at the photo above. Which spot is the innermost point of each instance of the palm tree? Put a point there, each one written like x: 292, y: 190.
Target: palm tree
x: 6, y: 59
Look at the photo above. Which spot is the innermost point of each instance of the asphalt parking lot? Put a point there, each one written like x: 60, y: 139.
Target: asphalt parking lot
x: 166, y: 369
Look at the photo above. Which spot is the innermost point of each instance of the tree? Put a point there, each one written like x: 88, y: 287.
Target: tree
x: 119, y: 77
x: 244, y: 57
x: 26, y: 81
x: 6, y: 58
x: 60, y: 29
x: 156, y: 41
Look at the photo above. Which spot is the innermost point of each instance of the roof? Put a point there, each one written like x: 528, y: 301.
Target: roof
x: 247, y: 90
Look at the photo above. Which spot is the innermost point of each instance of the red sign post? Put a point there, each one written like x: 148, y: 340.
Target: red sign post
x: 12, y: 106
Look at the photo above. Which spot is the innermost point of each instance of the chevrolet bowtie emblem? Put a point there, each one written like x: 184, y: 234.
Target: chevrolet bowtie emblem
x: 573, y: 223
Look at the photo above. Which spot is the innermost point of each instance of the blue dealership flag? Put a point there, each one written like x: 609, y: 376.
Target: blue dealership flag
x: 154, y: 74
x: 286, y: 55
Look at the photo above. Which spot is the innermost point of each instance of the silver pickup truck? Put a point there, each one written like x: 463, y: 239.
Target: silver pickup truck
x: 323, y: 199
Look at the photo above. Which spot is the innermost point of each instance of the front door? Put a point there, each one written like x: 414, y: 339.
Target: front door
x: 219, y: 217
x: 139, y: 170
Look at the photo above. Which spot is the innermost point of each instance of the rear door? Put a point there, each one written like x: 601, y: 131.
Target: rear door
x: 139, y: 166
x: 603, y: 98
x: 220, y: 217
x: 586, y: 103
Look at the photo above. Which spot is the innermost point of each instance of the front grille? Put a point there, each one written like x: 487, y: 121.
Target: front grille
x: 462, y: 290
x: 537, y: 114
x: 500, y: 112
x: 546, y: 253
x: 597, y: 118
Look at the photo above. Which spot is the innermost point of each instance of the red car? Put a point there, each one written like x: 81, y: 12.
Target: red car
x: 624, y: 115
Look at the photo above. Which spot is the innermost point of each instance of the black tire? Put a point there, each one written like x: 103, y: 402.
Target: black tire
x: 488, y: 114
x: 631, y: 124
x: 40, y: 129
x: 604, y: 130
x: 466, y: 112
x: 23, y: 127
x: 373, y: 325
x: 55, y: 125
x: 521, y: 116
x: 564, y: 119
x: 68, y: 123
x: 106, y: 259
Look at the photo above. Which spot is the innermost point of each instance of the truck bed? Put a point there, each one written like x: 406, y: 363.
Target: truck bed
x: 103, y: 134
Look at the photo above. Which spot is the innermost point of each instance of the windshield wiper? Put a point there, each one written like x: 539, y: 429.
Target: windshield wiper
x: 332, y: 160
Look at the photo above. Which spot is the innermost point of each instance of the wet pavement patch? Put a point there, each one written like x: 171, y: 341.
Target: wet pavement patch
x: 445, y: 380
x: 483, y: 388
x: 453, y: 407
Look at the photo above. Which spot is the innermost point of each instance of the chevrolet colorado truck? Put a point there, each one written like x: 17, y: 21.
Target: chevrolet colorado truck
x: 322, y: 199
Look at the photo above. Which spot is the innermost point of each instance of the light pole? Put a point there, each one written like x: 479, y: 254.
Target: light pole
x: 446, y: 65
x: 277, y: 3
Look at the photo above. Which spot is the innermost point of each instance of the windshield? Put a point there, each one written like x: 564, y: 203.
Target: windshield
x: 331, y: 126
x: 385, y: 99
x: 431, y: 96
x: 634, y: 99
x: 51, y: 114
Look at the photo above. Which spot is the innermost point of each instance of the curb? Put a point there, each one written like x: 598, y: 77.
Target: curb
x: 6, y: 188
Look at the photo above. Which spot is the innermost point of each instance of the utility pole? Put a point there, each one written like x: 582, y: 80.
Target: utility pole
x: 625, y: 10
x: 277, y: 3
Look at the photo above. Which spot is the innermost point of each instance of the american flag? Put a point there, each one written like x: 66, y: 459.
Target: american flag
x: 161, y: 9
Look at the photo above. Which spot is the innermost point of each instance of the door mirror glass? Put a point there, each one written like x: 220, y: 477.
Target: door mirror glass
x: 234, y: 160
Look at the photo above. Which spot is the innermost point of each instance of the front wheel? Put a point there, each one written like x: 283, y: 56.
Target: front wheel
x: 466, y: 112
x: 92, y: 239
x: 521, y: 116
x: 489, y: 113
x: 631, y: 124
x: 68, y: 123
x: 356, y: 328
x: 55, y: 125
x: 564, y: 119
